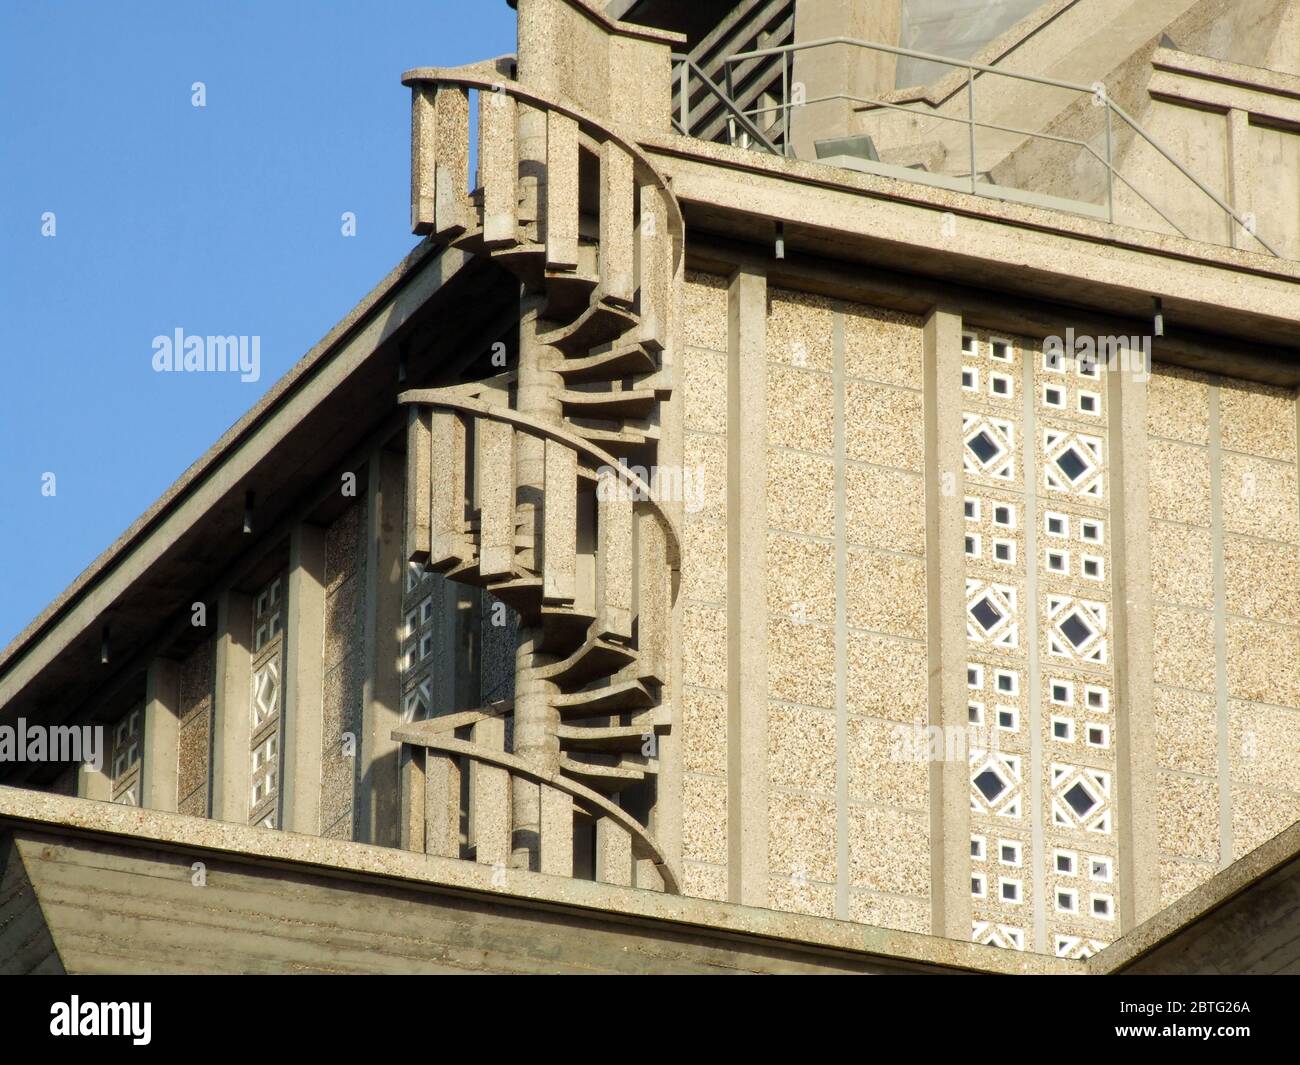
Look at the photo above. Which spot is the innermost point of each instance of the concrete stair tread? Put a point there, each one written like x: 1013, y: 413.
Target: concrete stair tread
x: 610, y: 698
x: 597, y: 657
x: 624, y: 403
x: 622, y: 360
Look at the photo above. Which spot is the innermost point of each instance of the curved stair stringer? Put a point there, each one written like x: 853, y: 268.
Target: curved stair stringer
x: 599, y: 587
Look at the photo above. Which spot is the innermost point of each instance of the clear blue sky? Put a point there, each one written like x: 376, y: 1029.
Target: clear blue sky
x: 223, y: 219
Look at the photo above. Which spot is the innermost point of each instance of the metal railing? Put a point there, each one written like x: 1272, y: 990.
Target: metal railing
x: 744, y: 119
x: 686, y: 66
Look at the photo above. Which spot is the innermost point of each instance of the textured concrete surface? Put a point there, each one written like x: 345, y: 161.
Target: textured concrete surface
x: 1244, y: 920
x: 819, y: 394
x: 347, y: 881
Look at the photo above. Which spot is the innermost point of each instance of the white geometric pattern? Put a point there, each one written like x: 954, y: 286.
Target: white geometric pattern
x: 995, y: 783
x: 990, y: 446
x: 126, y: 759
x: 992, y: 614
x: 418, y: 701
x: 1077, y: 946
x: 1080, y: 798
x: 1076, y: 629
x: 1072, y: 463
x: 265, y: 771
x: 998, y: 935
x: 1060, y: 423
x: 266, y: 692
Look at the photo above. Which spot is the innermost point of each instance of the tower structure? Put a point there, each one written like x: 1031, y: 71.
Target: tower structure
x: 821, y: 494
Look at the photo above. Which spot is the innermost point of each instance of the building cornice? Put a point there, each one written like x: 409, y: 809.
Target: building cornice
x: 201, y: 839
x: 1010, y: 248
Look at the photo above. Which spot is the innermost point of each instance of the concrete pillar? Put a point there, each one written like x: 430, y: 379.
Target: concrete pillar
x: 613, y: 853
x: 666, y: 817
x: 1218, y: 536
x: 950, y: 899
x: 379, y: 807
x: 535, y: 719
x: 96, y: 784
x: 1135, y: 726
x: 840, y: 68
x: 1239, y: 173
x: 231, y: 718
x: 532, y: 168
x: 159, y: 765
x: 303, y: 675
x: 747, y: 816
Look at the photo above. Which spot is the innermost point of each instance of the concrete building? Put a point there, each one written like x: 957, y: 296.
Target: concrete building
x: 804, y: 505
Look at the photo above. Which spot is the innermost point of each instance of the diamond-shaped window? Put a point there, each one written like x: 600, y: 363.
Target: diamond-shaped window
x: 990, y: 784
x: 1072, y: 464
x: 986, y: 449
x: 986, y: 614
x: 1080, y: 800
x: 266, y: 693
x: 1076, y: 630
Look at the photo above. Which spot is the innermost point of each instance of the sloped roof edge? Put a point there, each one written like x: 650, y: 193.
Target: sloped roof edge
x: 292, y: 381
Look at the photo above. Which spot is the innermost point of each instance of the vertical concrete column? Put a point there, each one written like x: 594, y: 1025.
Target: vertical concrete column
x: 1038, y: 795
x: 946, y: 625
x: 747, y: 777
x: 839, y: 451
x: 666, y: 819
x: 532, y: 169
x: 535, y: 719
x: 379, y: 802
x: 159, y: 764
x: 231, y: 718
x: 92, y: 783
x: 1135, y: 727
x: 535, y: 740
x: 840, y: 68
x: 1239, y: 170
x: 303, y: 677
x: 1223, y: 727
x: 613, y: 853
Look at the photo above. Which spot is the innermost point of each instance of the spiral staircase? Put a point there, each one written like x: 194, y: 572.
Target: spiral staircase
x: 529, y: 484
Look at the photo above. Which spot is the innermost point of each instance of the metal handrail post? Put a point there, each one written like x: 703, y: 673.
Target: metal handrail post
x: 1110, y: 168
x: 731, y: 95
x: 735, y: 116
x: 686, y: 98
x: 970, y: 122
x: 785, y: 104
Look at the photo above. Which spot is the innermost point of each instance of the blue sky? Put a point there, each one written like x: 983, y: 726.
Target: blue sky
x: 223, y: 219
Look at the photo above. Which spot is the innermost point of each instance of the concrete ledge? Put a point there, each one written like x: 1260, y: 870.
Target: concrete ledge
x: 1008, y: 247
x: 1260, y: 79
x: 842, y: 945
x: 817, y: 173
x: 1198, y: 907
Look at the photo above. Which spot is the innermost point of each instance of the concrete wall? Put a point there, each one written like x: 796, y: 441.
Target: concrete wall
x: 844, y: 807
x: 1225, y: 538
x: 823, y: 616
x: 345, y: 578
x: 196, y: 694
x: 704, y: 742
